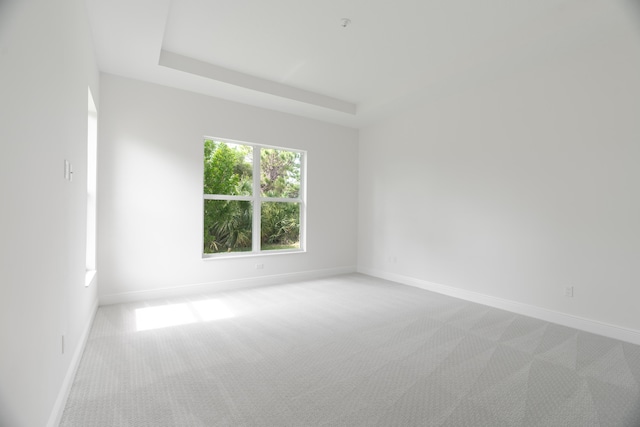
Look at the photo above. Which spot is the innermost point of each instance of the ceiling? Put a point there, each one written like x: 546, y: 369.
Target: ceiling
x: 296, y: 56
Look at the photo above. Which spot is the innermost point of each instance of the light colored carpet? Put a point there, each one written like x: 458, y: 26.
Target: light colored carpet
x: 346, y: 351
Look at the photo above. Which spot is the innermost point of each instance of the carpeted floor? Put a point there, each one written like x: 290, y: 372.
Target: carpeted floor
x: 346, y: 351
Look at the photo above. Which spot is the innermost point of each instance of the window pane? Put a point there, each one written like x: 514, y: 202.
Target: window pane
x: 280, y: 226
x: 227, y: 226
x: 228, y: 168
x: 279, y: 173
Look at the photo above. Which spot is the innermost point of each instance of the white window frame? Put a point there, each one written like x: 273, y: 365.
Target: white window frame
x: 92, y: 189
x: 257, y: 199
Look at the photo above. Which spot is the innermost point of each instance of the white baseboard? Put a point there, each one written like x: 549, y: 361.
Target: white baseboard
x: 222, y: 286
x: 588, y: 325
x: 65, y: 389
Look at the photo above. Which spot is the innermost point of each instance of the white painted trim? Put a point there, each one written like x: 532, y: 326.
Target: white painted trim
x: 65, y: 389
x: 251, y: 198
x: 581, y: 323
x: 256, y: 226
x: 252, y: 254
x: 222, y: 286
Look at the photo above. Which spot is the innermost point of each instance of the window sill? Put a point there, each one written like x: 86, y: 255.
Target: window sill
x: 233, y: 255
x: 89, y: 277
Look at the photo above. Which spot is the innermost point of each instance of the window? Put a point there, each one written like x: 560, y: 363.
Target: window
x: 92, y: 153
x: 253, y: 198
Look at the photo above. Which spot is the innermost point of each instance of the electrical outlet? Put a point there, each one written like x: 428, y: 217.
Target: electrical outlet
x: 259, y: 266
x: 568, y: 291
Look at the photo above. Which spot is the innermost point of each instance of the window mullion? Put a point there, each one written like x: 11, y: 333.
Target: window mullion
x: 227, y: 197
x: 255, y: 242
x: 281, y: 199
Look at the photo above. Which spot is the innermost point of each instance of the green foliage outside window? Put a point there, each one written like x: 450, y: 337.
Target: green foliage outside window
x: 279, y: 173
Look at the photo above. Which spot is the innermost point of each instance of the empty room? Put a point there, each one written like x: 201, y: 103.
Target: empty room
x: 320, y: 213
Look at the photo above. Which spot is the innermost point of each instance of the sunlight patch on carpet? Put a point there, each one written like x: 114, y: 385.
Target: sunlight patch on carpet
x: 164, y: 316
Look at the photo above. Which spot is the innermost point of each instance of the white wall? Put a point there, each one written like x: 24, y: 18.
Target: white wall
x: 520, y: 186
x: 150, y: 190
x: 46, y: 65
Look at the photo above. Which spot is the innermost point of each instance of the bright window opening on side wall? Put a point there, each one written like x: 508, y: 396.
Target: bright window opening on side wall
x: 254, y: 198
x: 92, y: 157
